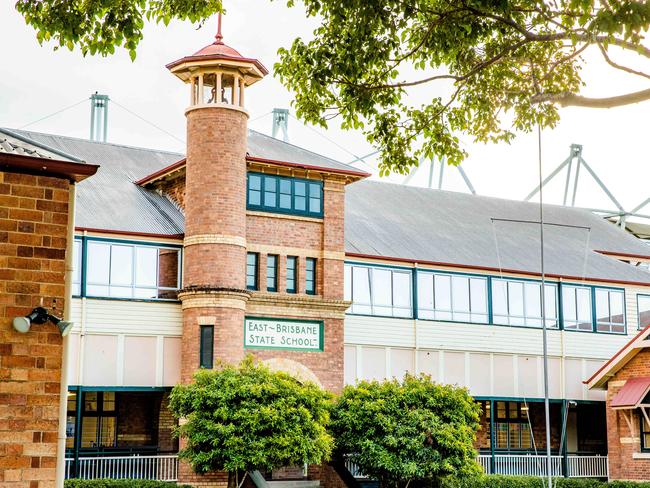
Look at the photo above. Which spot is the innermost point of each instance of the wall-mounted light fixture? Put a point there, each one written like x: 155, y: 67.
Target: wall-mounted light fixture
x: 40, y: 316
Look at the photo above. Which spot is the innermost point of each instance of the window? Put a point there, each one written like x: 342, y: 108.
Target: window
x: 272, y: 272
x: 519, y: 303
x: 206, y: 351
x: 285, y: 195
x: 77, y: 248
x: 378, y: 291
x: 251, y: 270
x: 576, y: 308
x: 512, y: 430
x: 310, y: 276
x: 610, y: 311
x: 71, y: 417
x: 292, y: 274
x: 452, y: 297
x: 643, y: 308
x: 98, y: 426
x: 645, y: 430
x: 123, y: 270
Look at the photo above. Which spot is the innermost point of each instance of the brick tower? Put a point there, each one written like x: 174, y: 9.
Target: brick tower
x: 214, y: 292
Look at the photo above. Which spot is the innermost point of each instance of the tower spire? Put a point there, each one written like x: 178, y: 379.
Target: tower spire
x: 219, y: 37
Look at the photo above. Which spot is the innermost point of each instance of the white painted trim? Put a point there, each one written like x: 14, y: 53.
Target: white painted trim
x: 119, y: 363
x: 160, y: 359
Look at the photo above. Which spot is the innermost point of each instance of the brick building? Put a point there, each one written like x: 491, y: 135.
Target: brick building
x: 626, y: 379
x: 35, y: 206
x: 247, y: 244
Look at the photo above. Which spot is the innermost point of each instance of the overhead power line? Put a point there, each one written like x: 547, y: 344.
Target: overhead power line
x: 55, y: 113
x: 147, y: 121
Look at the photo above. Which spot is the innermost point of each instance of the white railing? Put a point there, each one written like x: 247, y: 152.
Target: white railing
x: 353, y: 468
x: 535, y: 465
x: 161, y: 467
x: 484, y: 461
x: 587, y: 467
x: 526, y: 464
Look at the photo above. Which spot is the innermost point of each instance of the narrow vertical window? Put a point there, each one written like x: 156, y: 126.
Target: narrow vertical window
x: 292, y: 274
x: 576, y: 308
x: 643, y: 308
x: 76, y: 273
x: 251, y: 271
x: 610, y: 311
x: 310, y: 276
x: 272, y: 272
x: 254, y: 190
x: 206, y: 350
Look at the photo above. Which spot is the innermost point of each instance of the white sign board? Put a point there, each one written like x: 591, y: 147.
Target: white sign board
x: 295, y: 335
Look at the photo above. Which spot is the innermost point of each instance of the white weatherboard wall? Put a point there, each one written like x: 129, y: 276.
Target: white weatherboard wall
x: 125, y: 343
x: 490, y: 360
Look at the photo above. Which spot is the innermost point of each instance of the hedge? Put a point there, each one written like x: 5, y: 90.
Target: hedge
x: 128, y: 483
x: 497, y: 481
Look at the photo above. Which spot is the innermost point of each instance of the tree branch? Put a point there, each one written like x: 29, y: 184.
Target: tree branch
x: 619, y: 66
x: 573, y: 100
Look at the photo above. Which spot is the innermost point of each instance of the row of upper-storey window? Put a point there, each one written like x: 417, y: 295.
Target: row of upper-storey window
x: 443, y: 296
x: 116, y: 269
x: 281, y: 194
x: 272, y: 273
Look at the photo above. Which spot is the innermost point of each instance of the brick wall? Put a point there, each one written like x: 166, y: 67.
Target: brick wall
x: 33, y: 224
x: 623, y: 445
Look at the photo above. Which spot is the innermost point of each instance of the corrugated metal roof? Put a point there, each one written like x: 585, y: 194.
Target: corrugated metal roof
x: 13, y: 143
x: 110, y: 200
x: 383, y: 220
x: 420, y: 224
x: 631, y: 393
x: 266, y: 147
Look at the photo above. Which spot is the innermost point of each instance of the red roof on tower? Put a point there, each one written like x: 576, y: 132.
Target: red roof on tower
x: 218, y: 51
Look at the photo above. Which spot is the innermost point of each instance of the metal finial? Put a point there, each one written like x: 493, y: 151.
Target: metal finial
x: 219, y: 37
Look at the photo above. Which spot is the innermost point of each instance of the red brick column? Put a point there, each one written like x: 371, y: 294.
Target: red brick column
x: 33, y: 224
x: 215, y: 233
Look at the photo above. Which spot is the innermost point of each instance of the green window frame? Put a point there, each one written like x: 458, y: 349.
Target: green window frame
x: 126, y: 270
x: 98, y: 420
x: 206, y: 347
x: 379, y: 290
x: 310, y: 276
x: 452, y: 297
x: 281, y: 194
x: 252, y: 260
x: 643, y: 310
x: 519, y: 303
x: 577, y: 308
x: 292, y: 274
x: 644, y: 429
x: 272, y: 272
x: 609, y: 310
x: 511, y: 426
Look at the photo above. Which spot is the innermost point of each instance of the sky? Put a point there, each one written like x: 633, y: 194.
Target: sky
x: 37, y: 81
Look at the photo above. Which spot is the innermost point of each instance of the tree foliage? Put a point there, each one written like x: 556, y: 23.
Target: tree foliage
x: 408, y: 431
x: 99, y: 26
x: 246, y: 417
x: 412, y: 75
x: 484, y: 68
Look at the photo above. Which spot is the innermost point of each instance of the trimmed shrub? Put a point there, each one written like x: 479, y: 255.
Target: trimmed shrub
x: 500, y: 481
x: 128, y: 483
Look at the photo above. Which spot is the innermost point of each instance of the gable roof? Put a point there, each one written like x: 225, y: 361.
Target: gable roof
x: 624, y: 355
x: 382, y: 220
x: 22, y: 155
x: 458, y: 229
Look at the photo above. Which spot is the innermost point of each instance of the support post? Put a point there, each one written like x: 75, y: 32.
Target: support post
x: 492, y: 439
x: 77, y: 431
x: 563, y: 442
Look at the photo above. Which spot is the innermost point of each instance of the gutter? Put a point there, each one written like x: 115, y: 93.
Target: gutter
x: 65, y: 357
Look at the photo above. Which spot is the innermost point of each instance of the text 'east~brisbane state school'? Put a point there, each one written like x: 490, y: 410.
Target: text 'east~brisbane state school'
x: 269, y: 333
